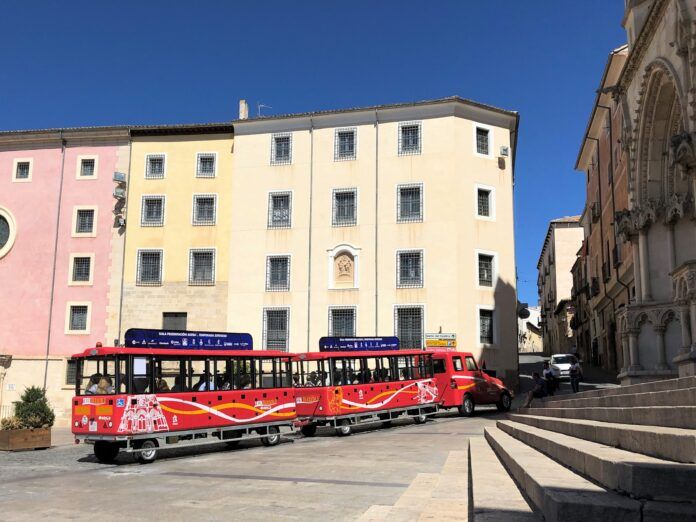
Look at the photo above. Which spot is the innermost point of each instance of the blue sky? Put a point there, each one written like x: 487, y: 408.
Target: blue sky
x: 97, y: 63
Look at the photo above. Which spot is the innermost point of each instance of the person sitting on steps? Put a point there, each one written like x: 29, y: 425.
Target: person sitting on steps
x: 538, y: 391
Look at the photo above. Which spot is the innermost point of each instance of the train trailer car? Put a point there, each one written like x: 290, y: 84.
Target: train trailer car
x: 342, y: 389
x: 145, y: 399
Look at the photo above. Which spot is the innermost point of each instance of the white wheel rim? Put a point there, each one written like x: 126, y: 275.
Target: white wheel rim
x: 148, y: 450
x: 468, y: 406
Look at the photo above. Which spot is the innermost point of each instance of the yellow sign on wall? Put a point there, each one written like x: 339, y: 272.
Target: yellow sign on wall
x: 441, y: 340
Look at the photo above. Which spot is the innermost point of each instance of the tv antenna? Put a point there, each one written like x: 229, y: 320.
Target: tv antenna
x: 259, y: 106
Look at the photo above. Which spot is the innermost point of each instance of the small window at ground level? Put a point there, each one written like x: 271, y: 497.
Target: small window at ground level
x: 71, y: 372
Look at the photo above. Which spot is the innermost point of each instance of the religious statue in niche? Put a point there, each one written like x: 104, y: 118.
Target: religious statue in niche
x: 344, y: 270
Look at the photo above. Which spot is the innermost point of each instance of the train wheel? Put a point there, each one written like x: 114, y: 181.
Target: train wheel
x: 148, y: 451
x: 420, y: 419
x: 467, y: 407
x: 309, y: 430
x: 105, y: 451
x: 272, y: 438
x: 344, y: 429
x: 504, y: 403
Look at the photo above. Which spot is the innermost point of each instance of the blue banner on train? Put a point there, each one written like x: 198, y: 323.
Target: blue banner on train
x: 340, y: 344
x: 146, y: 338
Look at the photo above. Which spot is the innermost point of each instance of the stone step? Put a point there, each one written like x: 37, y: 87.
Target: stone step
x: 493, y: 494
x: 673, y: 444
x: 678, y: 397
x: 667, y: 416
x: 556, y: 491
x: 640, y: 476
x: 645, y: 387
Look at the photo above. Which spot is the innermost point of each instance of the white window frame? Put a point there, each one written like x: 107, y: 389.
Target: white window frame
x: 274, y: 160
x: 401, y: 151
x: 95, y: 221
x: 272, y: 193
x: 198, y: 165
x: 80, y: 159
x: 478, y: 326
x: 494, y: 282
x: 163, y: 197
x: 147, y: 165
x: 491, y: 145
x: 491, y: 202
x: 267, y: 282
x: 354, y: 308
x: 335, y: 191
x: 15, y: 163
x: 71, y: 267
x: 196, y: 223
x: 137, y: 266
x: 192, y: 251
x: 5, y: 213
x: 398, y: 202
x: 337, y: 156
x: 409, y: 305
x: 398, y: 267
x: 264, y: 326
x: 68, y: 309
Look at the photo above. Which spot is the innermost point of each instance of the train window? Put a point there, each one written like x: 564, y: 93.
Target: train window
x: 169, y: 375
x: 141, y: 373
x: 242, y: 378
x: 338, y: 371
x: 312, y: 373
x: 384, y: 373
x: 284, y: 374
x: 370, y: 370
x: 424, y: 367
x: 354, y: 371
x: 471, y: 364
x: 439, y: 366
x: 457, y: 362
x: 197, y: 376
x: 265, y: 376
x: 222, y: 369
x: 97, y: 376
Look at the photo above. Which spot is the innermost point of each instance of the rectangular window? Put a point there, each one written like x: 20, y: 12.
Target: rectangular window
x: 149, y: 268
x: 84, y: 224
x: 409, y: 269
x: 342, y: 321
x: 205, y: 165
x: 82, y: 268
x: 409, y: 138
x: 482, y: 145
x: 278, y: 273
x: 409, y: 326
x: 87, y: 168
x: 486, y: 326
x: 484, y: 202
x: 78, y: 318
x: 276, y: 329
x: 154, y: 166
x: 345, y: 144
x: 281, y: 149
x: 152, y: 211
x: 485, y: 270
x: 202, y: 267
x: 280, y: 210
x: 71, y: 372
x: 23, y: 169
x: 409, y: 204
x: 345, y: 207
x: 204, y: 209
x: 174, y: 320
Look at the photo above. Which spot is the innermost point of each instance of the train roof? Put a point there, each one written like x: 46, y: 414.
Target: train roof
x: 350, y: 354
x: 119, y: 350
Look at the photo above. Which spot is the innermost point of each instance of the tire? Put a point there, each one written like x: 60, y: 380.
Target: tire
x: 309, y: 430
x: 272, y: 436
x: 504, y: 403
x: 344, y: 429
x: 420, y: 419
x: 105, y: 451
x: 467, y: 408
x: 148, y: 451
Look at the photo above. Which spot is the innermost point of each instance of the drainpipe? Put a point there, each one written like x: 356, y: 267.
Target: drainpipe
x: 55, y: 258
x: 376, y: 223
x: 125, y: 236
x: 309, y: 260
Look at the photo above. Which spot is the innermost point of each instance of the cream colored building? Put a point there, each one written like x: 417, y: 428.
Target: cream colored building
x: 389, y: 220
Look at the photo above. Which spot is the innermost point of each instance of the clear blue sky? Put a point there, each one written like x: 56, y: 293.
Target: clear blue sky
x: 127, y: 62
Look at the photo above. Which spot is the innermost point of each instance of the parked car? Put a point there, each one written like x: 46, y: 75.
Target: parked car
x: 560, y: 365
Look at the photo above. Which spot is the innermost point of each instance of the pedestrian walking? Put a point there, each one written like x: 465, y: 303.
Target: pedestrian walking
x: 550, y: 379
x: 575, y: 375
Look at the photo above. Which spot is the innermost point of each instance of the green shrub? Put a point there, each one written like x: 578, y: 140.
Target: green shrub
x: 33, y: 410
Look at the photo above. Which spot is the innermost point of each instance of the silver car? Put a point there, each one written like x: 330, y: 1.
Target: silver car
x: 560, y: 365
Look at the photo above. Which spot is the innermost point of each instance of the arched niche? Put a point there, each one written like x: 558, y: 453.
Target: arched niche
x: 343, y: 267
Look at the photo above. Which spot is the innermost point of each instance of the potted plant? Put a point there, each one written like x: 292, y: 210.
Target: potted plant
x: 30, y: 428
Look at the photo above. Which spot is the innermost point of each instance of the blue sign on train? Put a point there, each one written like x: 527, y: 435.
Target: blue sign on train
x: 341, y: 344
x: 147, y: 338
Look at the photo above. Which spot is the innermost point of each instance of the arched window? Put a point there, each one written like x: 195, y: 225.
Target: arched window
x: 343, y: 267
x: 8, y: 231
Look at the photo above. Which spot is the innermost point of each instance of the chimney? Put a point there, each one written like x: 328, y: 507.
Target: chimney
x: 243, y: 110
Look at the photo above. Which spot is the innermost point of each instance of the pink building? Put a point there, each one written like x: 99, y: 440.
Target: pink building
x: 61, y: 248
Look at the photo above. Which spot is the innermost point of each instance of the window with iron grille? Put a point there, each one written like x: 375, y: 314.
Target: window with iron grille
x: 409, y: 203
x: 409, y: 138
x: 149, y: 268
x: 152, y: 211
x: 154, y: 166
x: 486, y: 326
x: 484, y: 202
x: 78, y: 317
x: 202, y: 267
x: 345, y: 207
x: 205, y: 165
x: 87, y: 168
x: 408, y: 326
x: 281, y: 149
x: 278, y: 273
x: 342, y: 321
x: 82, y: 268
x: 22, y: 170
x: 280, y: 210
x: 84, y: 224
x: 345, y: 144
x: 409, y: 269
x: 276, y: 328
x: 70, y: 372
x: 485, y: 270
x: 204, y: 209
x: 482, y: 140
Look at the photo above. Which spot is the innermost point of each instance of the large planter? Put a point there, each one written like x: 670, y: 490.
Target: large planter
x: 32, y: 438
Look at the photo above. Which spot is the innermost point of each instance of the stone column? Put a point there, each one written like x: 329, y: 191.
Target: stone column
x: 624, y: 350
x: 685, y: 329
x: 633, y: 350
x: 692, y: 323
x: 661, y: 355
x: 636, y: 272
x: 670, y: 247
x: 644, y: 264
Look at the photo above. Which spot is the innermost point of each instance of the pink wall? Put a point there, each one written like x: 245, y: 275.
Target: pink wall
x: 26, y: 271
